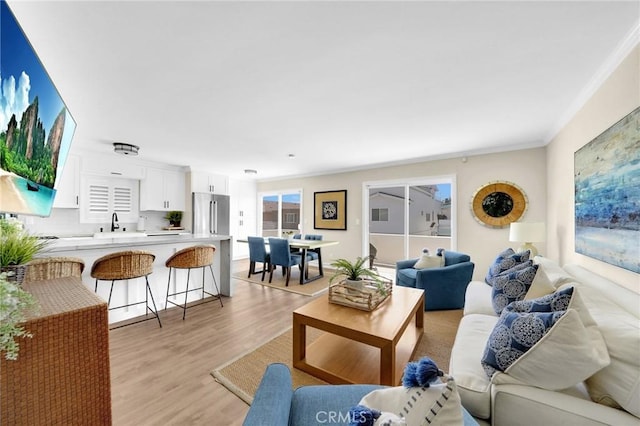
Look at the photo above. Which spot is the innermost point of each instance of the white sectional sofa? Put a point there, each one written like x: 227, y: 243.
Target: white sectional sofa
x: 504, y: 400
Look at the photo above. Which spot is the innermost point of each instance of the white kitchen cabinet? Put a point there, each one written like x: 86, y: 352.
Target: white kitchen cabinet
x: 68, y: 188
x: 162, y: 190
x: 209, y: 182
x: 243, y: 196
x: 112, y: 167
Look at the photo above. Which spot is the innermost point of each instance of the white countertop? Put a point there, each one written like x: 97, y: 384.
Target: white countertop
x: 89, y: 242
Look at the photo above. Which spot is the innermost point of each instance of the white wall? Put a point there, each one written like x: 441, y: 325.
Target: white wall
x: 617, y: 97
x: 526, y: 168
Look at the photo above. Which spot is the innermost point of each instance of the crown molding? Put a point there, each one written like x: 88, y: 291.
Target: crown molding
x: 626, y: 45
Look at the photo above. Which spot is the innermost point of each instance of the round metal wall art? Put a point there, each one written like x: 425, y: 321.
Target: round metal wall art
x: 498, y: 203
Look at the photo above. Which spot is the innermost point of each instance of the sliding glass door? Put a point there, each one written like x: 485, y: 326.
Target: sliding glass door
x: 281, y: 212
x: 405, y: 217
x: 386, y: 223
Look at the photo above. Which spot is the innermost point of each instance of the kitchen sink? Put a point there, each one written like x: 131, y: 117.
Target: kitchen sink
x: 119, y: 234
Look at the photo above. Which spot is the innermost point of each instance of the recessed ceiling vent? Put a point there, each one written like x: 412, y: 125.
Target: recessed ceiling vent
x: 125, y: 148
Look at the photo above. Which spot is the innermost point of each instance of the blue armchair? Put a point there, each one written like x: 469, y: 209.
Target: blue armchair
x: 276, y: 403
x: 444, y: 287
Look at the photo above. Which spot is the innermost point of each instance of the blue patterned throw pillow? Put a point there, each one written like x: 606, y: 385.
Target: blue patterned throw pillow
x: 558, y: 301
x: 511, y: 286
x: 514, y: 334
x: 508, y: 342
x: 506, y: 260
x: 492, y: 280
x: 551, y: 342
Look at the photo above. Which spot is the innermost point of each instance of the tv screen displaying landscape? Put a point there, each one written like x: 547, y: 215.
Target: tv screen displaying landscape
x: 35, y: 127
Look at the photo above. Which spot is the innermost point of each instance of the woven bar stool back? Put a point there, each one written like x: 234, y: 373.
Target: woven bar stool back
x: 125, y: 265
x: 200, y: 256
x: 48, y: 268
x: 192, y: 257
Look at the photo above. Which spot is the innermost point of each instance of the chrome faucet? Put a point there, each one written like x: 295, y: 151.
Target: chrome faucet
x: 114, y: 222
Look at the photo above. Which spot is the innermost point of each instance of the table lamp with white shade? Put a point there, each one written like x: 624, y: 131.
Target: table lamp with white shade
x: 527, y: 233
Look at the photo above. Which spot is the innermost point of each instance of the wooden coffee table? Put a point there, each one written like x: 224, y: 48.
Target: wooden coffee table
x: 359, y: 346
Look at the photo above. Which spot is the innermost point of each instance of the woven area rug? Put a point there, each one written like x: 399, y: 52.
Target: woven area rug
x: 243, y: 374
x: 312, y: 288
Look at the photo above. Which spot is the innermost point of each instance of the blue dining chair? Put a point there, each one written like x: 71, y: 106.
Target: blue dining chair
x: 314, y: 253
x: 258, y: 253
x: 295, y: 250
x: 280, y: 255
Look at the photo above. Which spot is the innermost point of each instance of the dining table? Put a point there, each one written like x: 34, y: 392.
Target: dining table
x: 305, y: 246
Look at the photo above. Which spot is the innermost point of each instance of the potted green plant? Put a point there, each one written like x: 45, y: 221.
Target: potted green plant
x: 14, y: 304
x: 174, y: 217
x: 356, y: 274
x: 17, y: 248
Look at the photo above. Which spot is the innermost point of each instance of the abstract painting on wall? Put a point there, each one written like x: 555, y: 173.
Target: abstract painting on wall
x: 607, y: 195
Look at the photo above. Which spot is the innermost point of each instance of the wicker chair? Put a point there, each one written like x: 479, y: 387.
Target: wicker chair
x: 199, y: 256
x: 125, y: 265
x: 47, y: 268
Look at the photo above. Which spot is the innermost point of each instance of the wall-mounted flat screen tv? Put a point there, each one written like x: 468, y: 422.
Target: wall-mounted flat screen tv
x: 35, y: 127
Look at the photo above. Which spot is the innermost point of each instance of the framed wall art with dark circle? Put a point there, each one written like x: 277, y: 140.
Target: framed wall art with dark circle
x: 330, y: 210
x: 498, y: 203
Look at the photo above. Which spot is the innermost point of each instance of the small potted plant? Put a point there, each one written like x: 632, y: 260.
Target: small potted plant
x: 14, y: 304
x: 174, y: 217
x: 17, y: 248
x: 356, y: 275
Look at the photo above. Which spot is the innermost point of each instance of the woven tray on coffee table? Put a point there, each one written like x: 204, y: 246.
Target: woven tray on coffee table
x: 367, y: 298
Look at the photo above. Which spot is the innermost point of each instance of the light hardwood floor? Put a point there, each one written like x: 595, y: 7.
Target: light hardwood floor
x: 161, y: 376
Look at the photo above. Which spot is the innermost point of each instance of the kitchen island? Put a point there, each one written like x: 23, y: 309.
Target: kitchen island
x: 90, y: 248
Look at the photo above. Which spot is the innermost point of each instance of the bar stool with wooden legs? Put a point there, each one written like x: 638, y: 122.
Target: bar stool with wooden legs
x: 199, y: 256
x: 125, y: 265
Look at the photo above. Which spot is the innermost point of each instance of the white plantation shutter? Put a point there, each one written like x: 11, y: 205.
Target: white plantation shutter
x: 122, y: 199
x: 108, y: 195
x: 98, y: 198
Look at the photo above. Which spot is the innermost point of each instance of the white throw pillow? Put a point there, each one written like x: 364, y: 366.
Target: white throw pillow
x: 617, y: 385
x: 427, y: 261
x: 439, y: 404
x: 541, y: 286
x: 565, y: 354
x: 555, y: 274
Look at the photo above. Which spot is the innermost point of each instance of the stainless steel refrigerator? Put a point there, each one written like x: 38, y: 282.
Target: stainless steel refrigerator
x: 210, y: 214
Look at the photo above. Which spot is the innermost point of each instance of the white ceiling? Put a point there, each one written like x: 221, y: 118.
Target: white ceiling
x: 225, y: 86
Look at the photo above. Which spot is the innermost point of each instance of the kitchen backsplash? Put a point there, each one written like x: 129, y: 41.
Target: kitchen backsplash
x: 66, y: 222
